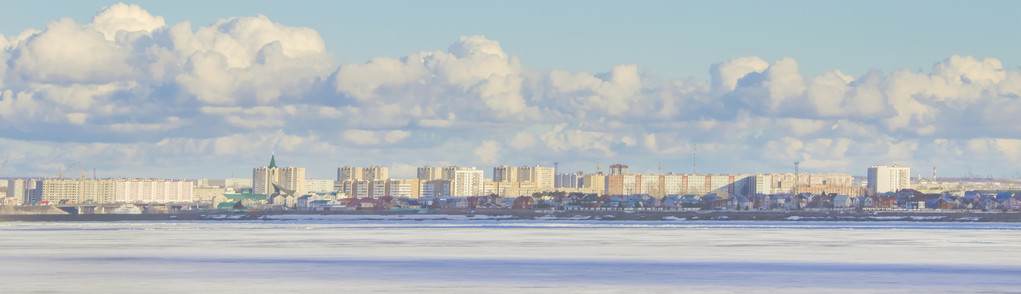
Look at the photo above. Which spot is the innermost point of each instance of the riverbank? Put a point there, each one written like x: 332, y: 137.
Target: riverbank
x: 594, y: 215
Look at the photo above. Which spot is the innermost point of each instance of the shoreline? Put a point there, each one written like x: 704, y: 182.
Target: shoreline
x: 574, y: 215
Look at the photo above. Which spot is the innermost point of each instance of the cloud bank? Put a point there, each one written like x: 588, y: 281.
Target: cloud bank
x: 132, y: 95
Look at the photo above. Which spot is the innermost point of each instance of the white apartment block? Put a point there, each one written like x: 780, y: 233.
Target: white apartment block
x: 153, y: 191
x: 320, y: 186
x: 787, y: 182
x: 73, y: 191
x: 467, y: 183
x: 463, y: 181
x: 882, y: 178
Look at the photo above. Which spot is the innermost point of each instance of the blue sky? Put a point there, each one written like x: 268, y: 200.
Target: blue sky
x: 674, y: 39
x: 838, y: 85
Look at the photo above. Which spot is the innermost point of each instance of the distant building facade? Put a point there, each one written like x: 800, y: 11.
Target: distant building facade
x: 883, y: 178
x: 291, y: 178
x: 370, y: 173
x: 152, y: 191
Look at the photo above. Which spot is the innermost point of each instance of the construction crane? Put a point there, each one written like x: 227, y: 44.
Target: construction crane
x: 2, y: 165
x: 60, y: 171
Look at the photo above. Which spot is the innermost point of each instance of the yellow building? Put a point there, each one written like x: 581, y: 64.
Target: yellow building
x: 290, y: 178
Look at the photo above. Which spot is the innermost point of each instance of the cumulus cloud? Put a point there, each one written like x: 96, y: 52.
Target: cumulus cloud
x: 474, y: 76
x: 126, y: 18
x: 488, y: 152
x: 522, y: 140
x: 131, y: 89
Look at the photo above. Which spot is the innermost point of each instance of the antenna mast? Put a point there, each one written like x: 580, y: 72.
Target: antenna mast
x: 797, y: 177
x: 694, y: 160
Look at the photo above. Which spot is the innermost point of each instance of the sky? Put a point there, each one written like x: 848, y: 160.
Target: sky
x: 193, y: 89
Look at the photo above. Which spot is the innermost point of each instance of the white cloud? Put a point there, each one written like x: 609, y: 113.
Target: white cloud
x: 77, y: 118
x: 522, y: 140
x: 361, y: 137
x: 613, y: 95
x: 125, y: 18
x: 395, y: 136
x: 67, y: 52
x: 488, y: 152
x: 581, y: 142
x: 725, y: 75
x: 154, y: 92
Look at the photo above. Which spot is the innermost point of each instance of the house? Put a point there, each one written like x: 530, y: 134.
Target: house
x: 1009, y: 200
x: 843, y: 201
x: 591, y: 200
x: 671, y: 201
x: 450, y: 203
x: 883, y: 201
x: 523, y: 202
x: 641, y: 200
x: 944, y: 202
x: 363, y: 203
x: 987, y: 202
x: 742, y: 202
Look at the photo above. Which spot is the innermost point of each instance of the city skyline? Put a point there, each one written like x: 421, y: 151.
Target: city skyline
x: 154, y: 92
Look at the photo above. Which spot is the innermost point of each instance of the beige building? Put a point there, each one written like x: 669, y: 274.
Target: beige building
x: 463, y: 181
x: 290, y: 178
x: 17, y: 191
x: 78, y: 191
x: 540, y: 176
x: 371, y: 173
x: 429, y: 173
x: 407, y: 188
x: 505, y: 173
x: 595, y: 182
x: 204, y: 194
x: 320, y: 186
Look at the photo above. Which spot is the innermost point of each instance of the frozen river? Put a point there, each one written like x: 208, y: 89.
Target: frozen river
x: 329, y: 255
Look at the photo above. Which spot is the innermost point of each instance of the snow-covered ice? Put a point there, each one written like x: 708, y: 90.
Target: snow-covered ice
x: 443, y: 255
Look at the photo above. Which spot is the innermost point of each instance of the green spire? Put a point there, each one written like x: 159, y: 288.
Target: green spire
x: 273, y: 161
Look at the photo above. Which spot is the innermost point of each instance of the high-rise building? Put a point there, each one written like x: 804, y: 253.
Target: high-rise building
x: 790, y: 183
x: 153, y: 191
x: 320, y: 186
x: 409, y: 188
x: 17, y: 190
x: 435, y: 189
x: 505, y: 173
x: 370, y: 173
x: 467, y: 183
x: 78, y: 191
x: 882, y: 178
x: 290, y: 178
x: 429, y: 173
x: 618, y: 169
x: 542, y: 176
x: 569, y: 180
x: 463, y: 181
